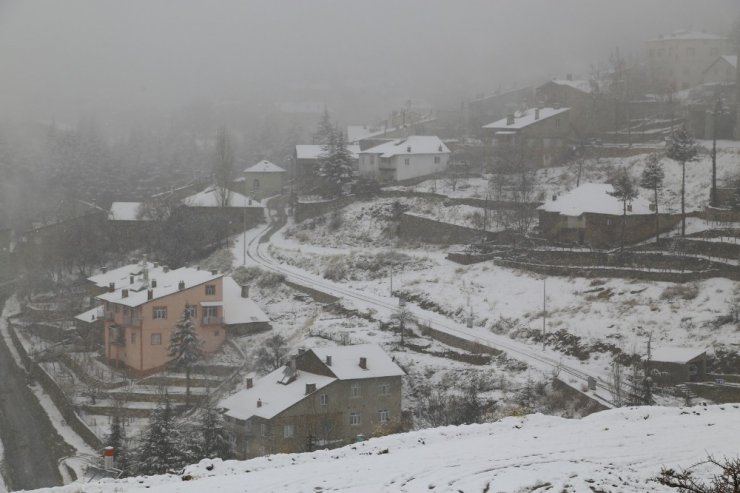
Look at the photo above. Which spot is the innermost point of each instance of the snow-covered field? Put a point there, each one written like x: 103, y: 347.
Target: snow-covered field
x: 619, y: 450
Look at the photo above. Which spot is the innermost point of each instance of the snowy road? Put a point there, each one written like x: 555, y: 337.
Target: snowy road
x: 548, y: 362
x: 31, y: 445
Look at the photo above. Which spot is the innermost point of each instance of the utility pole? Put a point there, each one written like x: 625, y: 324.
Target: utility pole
x: 544, y: 311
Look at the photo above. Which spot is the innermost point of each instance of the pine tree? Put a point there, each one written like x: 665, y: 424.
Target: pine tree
x: 117, y: 439
x: 336, y: 165
x: 185, y: 348
x: 214, y: 437
x: 682, y: 148
x: 161, y: 447
x: 626, y: 191
x: 652, y: 179
x: 324, y: 130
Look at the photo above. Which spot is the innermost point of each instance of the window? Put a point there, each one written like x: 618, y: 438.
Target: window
x: 557, y: 122
x: 192, y: 311
x: 324, y: 399
x: 116, y: 308
x: 156, y: 339
x: 355, y: 390
x: 407, y: 161
x: 354, y: 419
x: 263, y: 429
x: 210, y: 289
x: 383, y: 416
x: 384, y: 389
x: 133, y: 337
x: 288, y: 431
x: 159, y: 312
x: 437, y: 159
x: 256, y: 184
x: 216, y: 333
x: 210, y: 311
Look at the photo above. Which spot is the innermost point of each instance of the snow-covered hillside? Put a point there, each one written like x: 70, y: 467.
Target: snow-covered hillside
x: 612, y: 451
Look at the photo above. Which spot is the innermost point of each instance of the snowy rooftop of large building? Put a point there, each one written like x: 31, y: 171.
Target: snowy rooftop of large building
x: 269, y: 397
x: 594, y: 198
x: 680, y: 355
x: 264, y: 166
x: 211, y: 197
x: 124, y: 211
x: 415, y: 144
x: 315, y: 151
x: 580, y: 84
x: 121, y: 275
x: 686, y: 35
x: 346, y: 361
x: 91, y: 315
x: 526, y: 118
x: 167, y: 284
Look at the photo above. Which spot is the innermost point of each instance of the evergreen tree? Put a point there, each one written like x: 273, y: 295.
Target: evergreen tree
x: 652, y: 179
x: 117, y: 439
x: 324, y: 130
x: 336, y: 165
x: 161, y: 444
x: 185, y: 348
x: 682, y: 148
x: 214, y: 441
x: 624, y: 190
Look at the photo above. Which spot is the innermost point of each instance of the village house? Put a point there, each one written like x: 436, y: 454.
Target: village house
x: 678, y: 60
x: 143, y: 303
x: 308, y: 161
x: 723, y: 70
x: 589, y: 215
x: 323, y: 398
x: 591, y: 110
x: 232, y: 210
x: 542, y: 136
x: 674, y: 365
x: 263, y: 179
x: 405, y: 159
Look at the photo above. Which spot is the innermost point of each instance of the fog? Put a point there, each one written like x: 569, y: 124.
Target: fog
x: 119, y: 61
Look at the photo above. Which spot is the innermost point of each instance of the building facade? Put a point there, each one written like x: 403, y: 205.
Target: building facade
x: 323, y: 398
x: 264, y: 179
x: 677, y: 61
x: 404, y: 159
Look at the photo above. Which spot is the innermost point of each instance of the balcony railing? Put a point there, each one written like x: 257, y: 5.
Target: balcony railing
x: 132, y: 321
x: 214, y: 320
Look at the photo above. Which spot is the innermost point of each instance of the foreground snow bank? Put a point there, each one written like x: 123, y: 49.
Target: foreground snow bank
x: 616, y: 450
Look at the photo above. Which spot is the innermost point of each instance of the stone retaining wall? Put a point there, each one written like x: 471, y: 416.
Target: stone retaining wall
x: 718, y: 393
x: 585, y: 404
x: 419, y: 228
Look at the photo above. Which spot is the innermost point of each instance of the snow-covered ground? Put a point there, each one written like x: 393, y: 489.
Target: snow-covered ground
x: 619, y: 450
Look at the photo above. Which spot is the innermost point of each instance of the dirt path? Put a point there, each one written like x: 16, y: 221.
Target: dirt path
x: 31, y: 445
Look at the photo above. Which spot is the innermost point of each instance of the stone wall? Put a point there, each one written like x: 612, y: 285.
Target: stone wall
x: 413, y: 227
x: 583, y: 403
x: 307, y: 210
x: 715, y: 392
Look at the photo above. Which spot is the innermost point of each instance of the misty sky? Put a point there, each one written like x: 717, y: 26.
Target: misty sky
x: 61, y: 59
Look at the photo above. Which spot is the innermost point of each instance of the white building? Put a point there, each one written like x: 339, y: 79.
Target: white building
x: 405, y: 159
x: 678, y: 60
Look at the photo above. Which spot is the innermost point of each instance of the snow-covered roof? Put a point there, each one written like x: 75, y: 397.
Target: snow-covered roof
x: 121, y: 275
x: 680, y: 355
x: 264, y: 166
x: 315, y: 151
x: 415, y: 144
x: 211, y: 198
x: 359, y: 132
x: 91, y: 315
x: 124, y: 211
x: 346, y: 361
x: 167, y: 284
x: 525, y: 119
x: 731, y: 59
x: 580, y: 84
x: 594, y: 198
x: 274, y: 397
x: 238, y: 310
x: 686, y: 35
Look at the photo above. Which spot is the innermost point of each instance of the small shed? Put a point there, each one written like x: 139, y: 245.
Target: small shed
x: 675, y: 365
x: 264, y: 179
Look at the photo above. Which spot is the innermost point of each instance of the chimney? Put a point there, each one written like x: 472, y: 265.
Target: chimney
x: 554, y: 197
x: 536, y: 113
x: 111, y: 287
x: 310, y: 387
x: 301, y: 350
x: 250, y: 383
x: 181, y: 285
x: 166, y: 269
x: 245, y: 291
x: 131, y: 279
x: 104, y: 269
x: 259, y: 402
x: 108, y: 458
x: 149, y: 294
x: 156, y: 265
x: 154, y: 283
x: 214, y: 271
x: 363, y: 363
x: 124, y: 293
x: 328, y: 360
x: 197, y: 267
x: 440, y: 148
x: 510, y: 119
x: 408, y: 148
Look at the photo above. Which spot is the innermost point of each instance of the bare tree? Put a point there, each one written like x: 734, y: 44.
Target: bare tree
x: 401, y: 318
x: 684, y: 480
x: 272, y: 355
x: 223, y: 166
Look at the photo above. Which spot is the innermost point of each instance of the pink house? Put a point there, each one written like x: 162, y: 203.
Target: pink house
x: 144, y: 302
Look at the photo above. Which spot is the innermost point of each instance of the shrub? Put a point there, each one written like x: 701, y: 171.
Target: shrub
x: 682, y: 291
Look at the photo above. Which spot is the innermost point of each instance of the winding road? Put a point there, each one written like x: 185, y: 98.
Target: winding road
x: 550, y: 362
